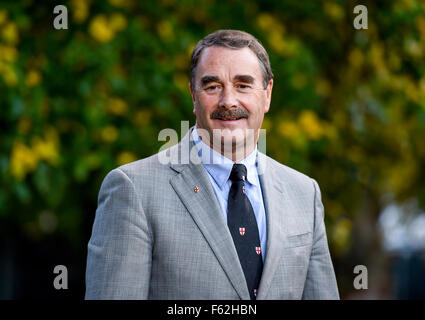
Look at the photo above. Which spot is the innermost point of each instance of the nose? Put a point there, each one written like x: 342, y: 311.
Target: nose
x: 228, y: 98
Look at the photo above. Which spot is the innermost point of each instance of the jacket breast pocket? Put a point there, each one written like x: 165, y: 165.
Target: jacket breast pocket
x: 299, y: 240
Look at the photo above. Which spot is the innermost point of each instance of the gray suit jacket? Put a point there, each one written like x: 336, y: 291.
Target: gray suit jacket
x: 154, y: 237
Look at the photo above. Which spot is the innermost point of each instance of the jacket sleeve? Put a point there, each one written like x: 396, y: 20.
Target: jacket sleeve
x: 321, y: 281
x: 120, y: 248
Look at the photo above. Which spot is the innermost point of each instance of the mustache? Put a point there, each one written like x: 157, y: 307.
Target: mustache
x: 229, y: 114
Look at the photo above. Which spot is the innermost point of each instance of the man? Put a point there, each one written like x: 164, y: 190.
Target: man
x: 226, y: 221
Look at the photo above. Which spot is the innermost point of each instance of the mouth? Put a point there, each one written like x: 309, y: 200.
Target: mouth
x: 230, y: 118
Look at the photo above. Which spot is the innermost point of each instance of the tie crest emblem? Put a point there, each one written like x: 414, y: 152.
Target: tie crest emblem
x: 258, y: 250
x: 242, y: 231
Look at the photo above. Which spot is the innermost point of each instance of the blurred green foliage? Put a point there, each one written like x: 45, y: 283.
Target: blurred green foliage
x: 348, y: 105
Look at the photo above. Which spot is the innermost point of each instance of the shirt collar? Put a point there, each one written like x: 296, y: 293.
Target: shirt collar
x: 220, y: 167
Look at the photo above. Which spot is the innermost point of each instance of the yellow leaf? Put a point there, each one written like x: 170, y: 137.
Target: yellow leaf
x: 100, y: 30
x: 310, y: 124
x: 10, y: 33
x: 9, y: 76
x: 356, y: 57
x: 3, y: 16
x: 109, y: 134
x: 80, y: 10
x: 289, y: 130
x: 118, y: 22
x: 334, y: 11
x: 33, y: 78
x: 8, y: 54
x: 165, y: 30
x: 142, y: 118
x: 22, y: 160
x: 117, y: 106
x: 126, y: 157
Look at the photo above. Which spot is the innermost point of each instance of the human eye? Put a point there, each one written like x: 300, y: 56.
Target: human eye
x: 212, y: 88
x: 243, y: 87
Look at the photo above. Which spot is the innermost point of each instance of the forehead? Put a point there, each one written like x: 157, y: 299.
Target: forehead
x: 225, y: 62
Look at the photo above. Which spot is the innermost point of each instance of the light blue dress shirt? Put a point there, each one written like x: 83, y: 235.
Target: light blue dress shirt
x: 219, y: 168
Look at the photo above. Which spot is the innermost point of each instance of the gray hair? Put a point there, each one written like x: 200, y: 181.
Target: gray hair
x: 233, y: 39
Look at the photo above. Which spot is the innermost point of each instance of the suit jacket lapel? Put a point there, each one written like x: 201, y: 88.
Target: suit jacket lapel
x: 276, y: 206
x: 205, y: 210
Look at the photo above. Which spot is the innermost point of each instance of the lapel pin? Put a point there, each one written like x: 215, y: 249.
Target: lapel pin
x: 196, y: 189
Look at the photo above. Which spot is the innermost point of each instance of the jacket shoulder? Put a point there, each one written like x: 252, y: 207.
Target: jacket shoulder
x: 145, y: 174
x: 293, y: 179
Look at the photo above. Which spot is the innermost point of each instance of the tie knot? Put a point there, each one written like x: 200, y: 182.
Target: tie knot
x: 238, y: 172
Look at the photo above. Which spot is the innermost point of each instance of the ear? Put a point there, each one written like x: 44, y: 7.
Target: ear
x: 268, y: 96
x: 192, y: 93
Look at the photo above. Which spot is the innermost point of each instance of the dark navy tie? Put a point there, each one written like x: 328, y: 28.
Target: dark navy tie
x: 244, y: 230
